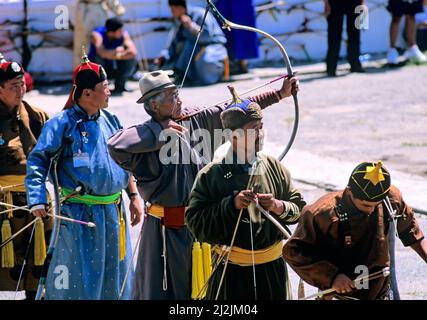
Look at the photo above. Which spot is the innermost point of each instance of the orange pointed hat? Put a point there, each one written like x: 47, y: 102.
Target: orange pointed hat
x: 370, y: 181
x: 85, y: 76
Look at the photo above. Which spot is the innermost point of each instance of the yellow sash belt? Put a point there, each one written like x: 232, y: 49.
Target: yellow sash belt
x: 12, y: 183
x: 245, y: 258
x: 156, y: 210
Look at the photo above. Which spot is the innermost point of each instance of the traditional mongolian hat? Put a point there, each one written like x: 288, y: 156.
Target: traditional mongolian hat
x: 85, y: 76
x: 9, y: 69
x: 239, y: 112
x: 370, y: 181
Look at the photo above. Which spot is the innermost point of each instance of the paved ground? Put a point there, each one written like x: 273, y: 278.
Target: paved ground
x: 344, y: 120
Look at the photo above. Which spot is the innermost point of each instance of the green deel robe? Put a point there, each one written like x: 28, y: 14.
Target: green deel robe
x: 211, y: 217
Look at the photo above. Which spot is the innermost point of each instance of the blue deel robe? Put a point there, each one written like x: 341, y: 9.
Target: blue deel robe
x: 86, y: 262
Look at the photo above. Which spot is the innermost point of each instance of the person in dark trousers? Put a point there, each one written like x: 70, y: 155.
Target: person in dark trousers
x: 335, y: 10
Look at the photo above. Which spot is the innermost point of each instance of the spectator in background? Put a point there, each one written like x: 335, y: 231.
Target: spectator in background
x: 335, y: 10
x: 241, y: 44
x: 113, y: 48
x: 409, y: 8
x: 91, y: 14
x: 207, y: 66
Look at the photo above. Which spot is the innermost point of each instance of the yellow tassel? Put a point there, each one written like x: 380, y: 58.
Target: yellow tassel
x: 207, y: 265
x: 7, y: 253
x: 8, y: 198
x: 197, y: 271
x: 122, y: 236
x: 39, y: 243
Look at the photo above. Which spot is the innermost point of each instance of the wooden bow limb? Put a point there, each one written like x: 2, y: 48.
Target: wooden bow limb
x: 251, y: 181
x: 130, y: 265
x: 24, y: 263
x: 228, y: 254
x: 393, y: 234
x: 385, y: 272
x: 273, y: 220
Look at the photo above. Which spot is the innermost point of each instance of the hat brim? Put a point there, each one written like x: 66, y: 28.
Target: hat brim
x: 153, y: 92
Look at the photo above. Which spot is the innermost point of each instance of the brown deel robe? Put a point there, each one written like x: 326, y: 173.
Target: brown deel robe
x: 19, y: 131
x: 317, y: 250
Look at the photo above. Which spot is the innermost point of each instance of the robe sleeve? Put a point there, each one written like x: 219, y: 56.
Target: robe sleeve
x: 210, y: 220
x: 212, y: 116
x: 407, y: 226
x: 266, y: 99
x: 49, y: 143
x: 301, y: 252
x: 126, y: 143
x: 291, y: 198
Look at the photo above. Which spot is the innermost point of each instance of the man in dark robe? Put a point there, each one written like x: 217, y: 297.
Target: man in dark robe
x: 222, y: 203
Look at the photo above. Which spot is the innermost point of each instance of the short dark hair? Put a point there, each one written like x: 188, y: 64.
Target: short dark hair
x: 182, y: 3
x: 2, y: 83
x: 113, y: 24
x: 79, y: 91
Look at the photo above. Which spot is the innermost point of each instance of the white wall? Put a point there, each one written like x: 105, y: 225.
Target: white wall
x: 298, y: 24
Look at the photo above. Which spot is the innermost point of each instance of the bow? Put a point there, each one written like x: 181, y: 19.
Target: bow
x: 56, y: 225
x: 231, y: 25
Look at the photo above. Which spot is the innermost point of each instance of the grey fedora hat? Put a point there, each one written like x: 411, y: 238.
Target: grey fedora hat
x: 153, y: 83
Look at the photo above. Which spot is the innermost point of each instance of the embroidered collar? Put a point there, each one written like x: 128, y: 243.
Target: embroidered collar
x: 83, y: 114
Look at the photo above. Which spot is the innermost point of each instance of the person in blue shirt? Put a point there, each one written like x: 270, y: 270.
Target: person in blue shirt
x: 96, y: 259
x: 112, y: 47
x: 207, y: 65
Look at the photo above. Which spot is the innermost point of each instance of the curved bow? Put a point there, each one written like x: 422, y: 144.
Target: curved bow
x: 56, y: 224
x: 231, y: 25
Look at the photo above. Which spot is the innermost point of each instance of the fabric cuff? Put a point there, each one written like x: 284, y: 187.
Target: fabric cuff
x: 411, y: 235
x: 38, y: 207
